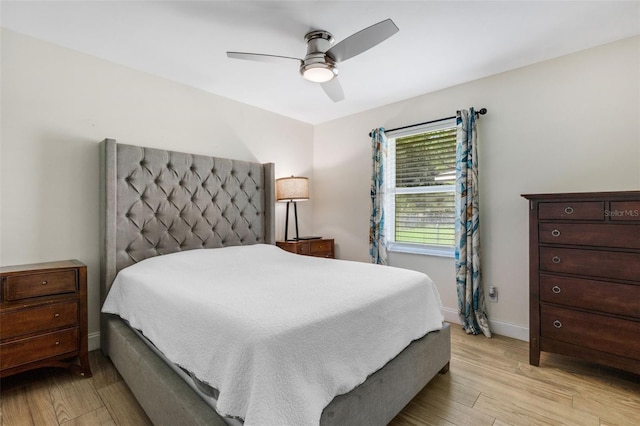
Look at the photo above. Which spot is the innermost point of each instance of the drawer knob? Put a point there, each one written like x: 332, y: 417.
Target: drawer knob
x: 556, y: 289
x: 556, y: 259
x: 555, y: 233
x: 44, y: 282
x: 56, y: 315
x: 568, y: 210
x: 57, y: 342
x: 557, y: 324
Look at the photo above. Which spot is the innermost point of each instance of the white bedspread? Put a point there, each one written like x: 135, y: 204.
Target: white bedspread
x: 278, y: 334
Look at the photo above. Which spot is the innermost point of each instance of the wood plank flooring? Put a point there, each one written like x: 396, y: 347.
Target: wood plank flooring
x: 489, y: 383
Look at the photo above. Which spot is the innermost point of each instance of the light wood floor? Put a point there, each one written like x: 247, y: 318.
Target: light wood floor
x: 490, y: 383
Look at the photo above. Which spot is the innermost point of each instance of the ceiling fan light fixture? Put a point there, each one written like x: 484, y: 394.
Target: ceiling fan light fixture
x: 319, y: 72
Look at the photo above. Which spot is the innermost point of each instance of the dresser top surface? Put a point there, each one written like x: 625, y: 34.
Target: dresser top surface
x: 612, y: 195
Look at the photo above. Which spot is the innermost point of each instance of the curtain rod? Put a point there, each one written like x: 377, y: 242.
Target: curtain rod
x: 481, y: 111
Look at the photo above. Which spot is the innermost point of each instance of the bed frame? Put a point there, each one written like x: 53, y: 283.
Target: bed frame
x: 157, y: 202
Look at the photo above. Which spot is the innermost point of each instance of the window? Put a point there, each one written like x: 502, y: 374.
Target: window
x: 420, y: 189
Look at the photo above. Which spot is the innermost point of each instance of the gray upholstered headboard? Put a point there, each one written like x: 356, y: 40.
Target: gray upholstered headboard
x: 157, y: 202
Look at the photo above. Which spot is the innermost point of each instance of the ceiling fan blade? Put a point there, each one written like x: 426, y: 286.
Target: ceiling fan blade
x: 333, y: 89
x: 263, y: 58
x: 363, y: 40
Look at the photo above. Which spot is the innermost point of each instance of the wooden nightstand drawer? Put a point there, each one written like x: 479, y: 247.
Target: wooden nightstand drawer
x: 24, y: 351
x: 321, y: 248
x: 302, y: 248
x: 42, y: 318
x: 40, y: 284
x: 318, y: 247
x: 572, y: 210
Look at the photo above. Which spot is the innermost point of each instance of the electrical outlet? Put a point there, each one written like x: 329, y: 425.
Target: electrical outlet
x: 493, y: 294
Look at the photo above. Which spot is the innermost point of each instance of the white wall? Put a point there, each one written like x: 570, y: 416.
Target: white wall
x: 57, y: 105
x: 569, y: 124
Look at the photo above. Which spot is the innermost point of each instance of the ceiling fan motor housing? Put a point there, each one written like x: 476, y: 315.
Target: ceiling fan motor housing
x: 317, y: 64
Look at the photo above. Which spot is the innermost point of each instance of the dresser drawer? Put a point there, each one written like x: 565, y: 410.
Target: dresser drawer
x: 569, y: 210
x: 594, y: 263
x: 40, y: 284
x: 624, y: 210
x: 602, y: 296
x: 600, y: 234
x: 38, y: 348
x: 42, y: 318
x: 322, y: 248
x: 598, y: 332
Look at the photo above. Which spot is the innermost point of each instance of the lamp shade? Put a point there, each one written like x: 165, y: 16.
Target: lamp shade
x: 292, y: 188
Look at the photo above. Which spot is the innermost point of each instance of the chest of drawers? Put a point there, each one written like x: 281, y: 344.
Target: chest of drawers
x: 43, y: 317
x: 319, y: 247
x: 584, y: 277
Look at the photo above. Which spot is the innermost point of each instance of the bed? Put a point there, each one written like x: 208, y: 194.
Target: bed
x: 157, y: 202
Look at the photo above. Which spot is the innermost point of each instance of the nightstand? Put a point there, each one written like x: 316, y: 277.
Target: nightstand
x: 320, y: 247
x: 43, y: 317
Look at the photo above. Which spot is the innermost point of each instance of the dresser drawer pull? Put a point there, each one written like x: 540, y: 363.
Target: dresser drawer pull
x: 56, y: 315
x: 568, y: 210
x: 555, y: 259
x: 555, y: 233
x: 556, y: 289
x: 44, y: 282
x: 57, y: 342
x: 557, y: 324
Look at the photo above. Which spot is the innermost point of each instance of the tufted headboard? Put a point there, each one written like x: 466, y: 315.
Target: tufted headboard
x: 158, y: 202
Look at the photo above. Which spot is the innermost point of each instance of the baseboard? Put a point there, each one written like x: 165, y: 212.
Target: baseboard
x: 498, y: 327
x: 94, y: 341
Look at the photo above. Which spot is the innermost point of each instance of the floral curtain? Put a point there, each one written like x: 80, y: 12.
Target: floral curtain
x: 471, y: 305
x: 377, y: 249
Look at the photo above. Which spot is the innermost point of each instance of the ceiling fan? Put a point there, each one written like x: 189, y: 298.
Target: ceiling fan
x: 320, y: 63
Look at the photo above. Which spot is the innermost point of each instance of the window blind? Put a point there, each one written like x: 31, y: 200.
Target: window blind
x: 426, y: 159
x: 424, y: 187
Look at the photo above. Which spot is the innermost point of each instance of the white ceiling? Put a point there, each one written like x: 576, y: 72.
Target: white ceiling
x: 440, y: 43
